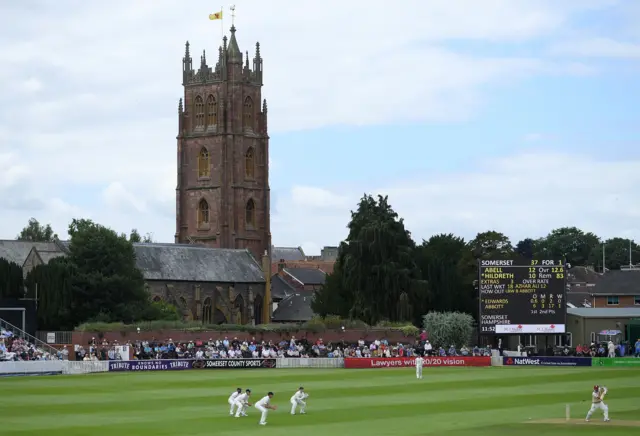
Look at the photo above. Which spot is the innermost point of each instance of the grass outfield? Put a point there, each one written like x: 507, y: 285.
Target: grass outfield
x: 448, y: 401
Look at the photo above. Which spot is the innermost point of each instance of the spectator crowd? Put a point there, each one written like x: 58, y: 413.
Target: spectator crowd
x: 13, y: 348
x: 234, y: 348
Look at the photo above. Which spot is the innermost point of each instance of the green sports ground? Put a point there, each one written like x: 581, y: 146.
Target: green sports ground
x: 385, y: 401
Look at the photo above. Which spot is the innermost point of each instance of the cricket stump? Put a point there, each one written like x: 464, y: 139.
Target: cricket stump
x: 567, y: 412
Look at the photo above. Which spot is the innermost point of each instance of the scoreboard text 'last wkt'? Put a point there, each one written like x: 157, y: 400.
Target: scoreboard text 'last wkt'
x: 526, y: 297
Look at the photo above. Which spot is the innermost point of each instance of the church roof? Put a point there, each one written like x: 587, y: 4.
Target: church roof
x: 18, y: 251
x: 193, y: 263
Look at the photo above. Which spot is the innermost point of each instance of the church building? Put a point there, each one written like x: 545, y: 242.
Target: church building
x: 222, y: 195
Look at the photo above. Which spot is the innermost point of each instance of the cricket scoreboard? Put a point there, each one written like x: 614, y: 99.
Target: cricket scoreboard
x: 527, y: 297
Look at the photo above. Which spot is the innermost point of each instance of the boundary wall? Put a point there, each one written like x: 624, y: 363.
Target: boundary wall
x: 57, y: 367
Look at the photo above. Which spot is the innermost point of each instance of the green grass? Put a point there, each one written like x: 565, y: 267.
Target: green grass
x: 448, y: 401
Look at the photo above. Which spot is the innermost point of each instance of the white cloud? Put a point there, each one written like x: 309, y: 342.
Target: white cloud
x: 88, y: 90
x: 522, y: 195
x: 598, y: 48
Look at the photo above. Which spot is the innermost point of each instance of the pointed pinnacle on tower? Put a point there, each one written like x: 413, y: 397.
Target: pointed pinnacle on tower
x: 264, y: 105
x: 180, y: 108
x: 257, y: 50
x: 234, y: 54
x: 187, y: 54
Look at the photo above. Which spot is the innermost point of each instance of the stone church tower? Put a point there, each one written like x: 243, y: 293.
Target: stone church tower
x: 222, y: 197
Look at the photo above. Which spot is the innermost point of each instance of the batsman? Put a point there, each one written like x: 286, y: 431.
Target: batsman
x: 597, y: 398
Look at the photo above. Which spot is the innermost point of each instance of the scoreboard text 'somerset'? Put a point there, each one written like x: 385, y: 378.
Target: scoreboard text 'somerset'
x: 522, y: 297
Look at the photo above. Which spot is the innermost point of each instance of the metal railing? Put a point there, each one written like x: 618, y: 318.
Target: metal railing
x: 17, y: 332
x: 55, y: 337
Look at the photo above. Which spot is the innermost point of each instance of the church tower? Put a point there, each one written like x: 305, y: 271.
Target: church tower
x: 222, y: 197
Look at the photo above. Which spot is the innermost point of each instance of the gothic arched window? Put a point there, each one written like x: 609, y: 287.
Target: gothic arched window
x: 198, y: 110
x: 249, y: 164
x: 250, y: 214
x: 203, y: 212
x: 247, y: 113
x: 204, y: 164
x: 212, y: 111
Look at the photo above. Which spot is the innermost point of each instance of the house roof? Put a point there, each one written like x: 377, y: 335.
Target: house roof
x: 294, y: 308
x: 287, y: 254
x: 194, y: 263
x: 617, y: 282
x: 582, y: 274
x: 280, y: 288
x: 605, y: 312
x: 18, y: 251
x: 578, y: 299
x: 307, y: 276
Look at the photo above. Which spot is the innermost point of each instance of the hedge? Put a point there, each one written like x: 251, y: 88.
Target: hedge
x: 316, y: 324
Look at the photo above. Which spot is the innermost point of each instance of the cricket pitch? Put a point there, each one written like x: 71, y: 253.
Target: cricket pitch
x: 583, y: 422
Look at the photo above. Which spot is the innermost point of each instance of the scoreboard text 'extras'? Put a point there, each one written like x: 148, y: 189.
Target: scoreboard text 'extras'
x: 522, y: 297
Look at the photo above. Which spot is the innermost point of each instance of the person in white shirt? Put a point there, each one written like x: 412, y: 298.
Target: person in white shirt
x: 419, y: 363
x: 242, y: 402
x: 263, y: 406
x: 232, y: 400
x: 597, y: 403
x: 298, y: 400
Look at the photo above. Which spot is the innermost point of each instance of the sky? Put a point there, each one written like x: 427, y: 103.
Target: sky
x: 518, y: 116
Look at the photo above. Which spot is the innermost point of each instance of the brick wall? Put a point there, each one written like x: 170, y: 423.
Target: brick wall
x: 623, y: 301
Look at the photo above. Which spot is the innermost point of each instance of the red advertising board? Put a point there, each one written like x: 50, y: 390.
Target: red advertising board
x: 402, y: 362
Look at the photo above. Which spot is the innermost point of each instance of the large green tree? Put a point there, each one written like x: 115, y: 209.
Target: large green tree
x: 376, y: 274
x: 448, y: 267
x: 36, y: 232
x: 569, y: 244
x: 491, y: 245
x: 98, y: 280
x: 618, y: 252
x: 11, y: 283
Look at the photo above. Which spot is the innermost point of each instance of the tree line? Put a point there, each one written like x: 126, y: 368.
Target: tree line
x: 382, y: 274
x: 97, y: 281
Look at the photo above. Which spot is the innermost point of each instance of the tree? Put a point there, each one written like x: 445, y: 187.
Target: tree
x: 447, y: 266
x: 375, y: 274
x: 11, y: 283
x: 491, y: 245
x: 135, y: 237
x: 107, y: 281
x: 52, y: 286
x: 448, y: 328
x: 332, y: 299
x: 526, y: 248
x: 36, y: 232
x: 569, y: 244
x: 616, y: 252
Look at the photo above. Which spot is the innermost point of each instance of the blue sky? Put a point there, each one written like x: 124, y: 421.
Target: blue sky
x: 513, y: 115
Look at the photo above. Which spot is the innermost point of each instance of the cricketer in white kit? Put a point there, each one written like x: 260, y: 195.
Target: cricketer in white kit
x: 419, y: 363
x: 597, y: 403
x: 242, y: 402
x: 298, y: 400
x: 263, y: 406
x: 232, y: 400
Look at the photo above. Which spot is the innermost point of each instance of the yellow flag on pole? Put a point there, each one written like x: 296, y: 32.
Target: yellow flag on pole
x: 216, y: 16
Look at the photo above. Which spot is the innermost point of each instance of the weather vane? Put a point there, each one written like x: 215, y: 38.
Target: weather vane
x: 233, y: 14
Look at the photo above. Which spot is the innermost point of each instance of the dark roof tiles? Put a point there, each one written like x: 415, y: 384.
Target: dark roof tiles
x: 294, y: 308
x: 193, y: 263
x: 307, y: 276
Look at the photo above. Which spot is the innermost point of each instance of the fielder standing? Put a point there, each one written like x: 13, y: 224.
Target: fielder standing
x: 232, y: 400
x: 263, y: 406
x: 419, y: 363
x: 298, y: 400
x: 597, y: 403
x: 242, y: 402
